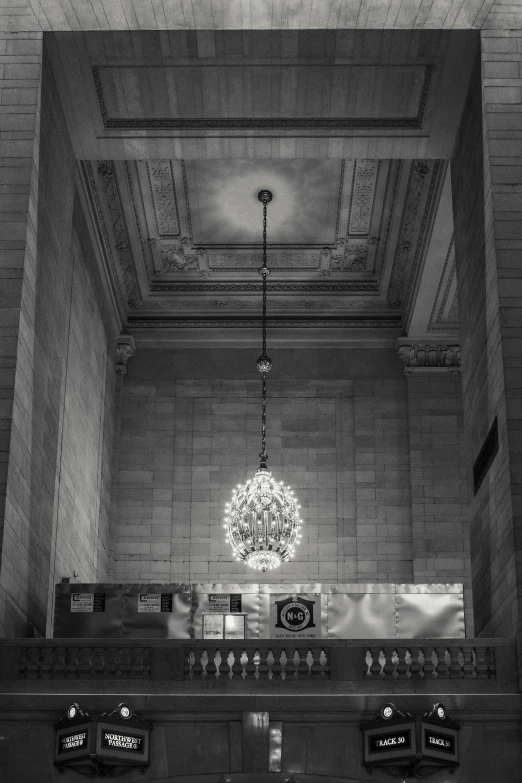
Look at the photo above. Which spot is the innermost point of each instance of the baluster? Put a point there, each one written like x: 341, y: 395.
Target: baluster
x: 197, y: 666
x: 263, y: 663
x: 211, y: 665
x: 111, y: 662
x: 389, y: 666
x: 46, y: 663
x: 277, y: 667
x: 270, y: 662
x: 224, y: 668
x: 482, y: 664
x: 58, y: 663
x: 98, y: 663
x: 415, y: 665
x: 316, y: 670
x: 325, y: 661
x: 468, y: 667
x: 290, y: 668
x: 125, y: 663
x: 303, y: 667
x: 402, y: 667
x: 428, y: 666
x: 205, y: 657
x: 237, y: 666
x: 137, y: 662
x: 492, y: 668
x: 217, y: 660
x: 84, y: 663
x: 455, y: 669
x: 71, y: 663
x: 441, y: 667
x: 250, y: 666
x: 33, y: 663
x: 375, y: 668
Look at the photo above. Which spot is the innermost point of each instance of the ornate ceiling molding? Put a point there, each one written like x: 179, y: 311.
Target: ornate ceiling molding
x: 163, y: 195
x: 365, y: 177
x: 276, y: 323
x: 421, y: 357
x: 424, y: 174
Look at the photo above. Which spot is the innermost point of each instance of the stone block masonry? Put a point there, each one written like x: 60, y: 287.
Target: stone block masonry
x: 57, y: 357
x: 342, y: 445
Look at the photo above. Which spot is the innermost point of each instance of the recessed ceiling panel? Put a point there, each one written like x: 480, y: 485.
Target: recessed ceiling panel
x: 249, y: 95
x: 305, y: 210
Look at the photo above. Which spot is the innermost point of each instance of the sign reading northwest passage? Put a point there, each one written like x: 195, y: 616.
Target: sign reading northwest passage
x: 444, y: 743
x: 155, y: 602
x: 224, y: 603
x: 87, y: 602
x: 126, y: 742
x: 74, y: 741
x: 394, y: 740
x: 294, y: 616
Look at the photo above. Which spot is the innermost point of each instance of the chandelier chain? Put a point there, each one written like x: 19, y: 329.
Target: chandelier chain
x: 264, y: 274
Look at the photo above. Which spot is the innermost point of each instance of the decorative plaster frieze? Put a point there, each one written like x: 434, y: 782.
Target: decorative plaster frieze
x: 429, y: 357
x: 125, y: 350
x: 363, y: 195
x: 163, y: 194
x: 120, y: 233
x: 411, y: 239
x: 345, y: 257
x: 182, y: 257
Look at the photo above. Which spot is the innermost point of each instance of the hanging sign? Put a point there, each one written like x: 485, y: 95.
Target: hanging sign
x: 155, y: 602
x: 295, y: 616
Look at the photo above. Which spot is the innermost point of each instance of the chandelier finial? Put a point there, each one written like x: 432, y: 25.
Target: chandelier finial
x: 263, y: 519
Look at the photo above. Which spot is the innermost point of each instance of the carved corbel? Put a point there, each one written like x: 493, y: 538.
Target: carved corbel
x: 125, y: 349
x: 419, y: 357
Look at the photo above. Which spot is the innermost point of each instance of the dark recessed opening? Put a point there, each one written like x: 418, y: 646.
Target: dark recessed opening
x: 486, y: 457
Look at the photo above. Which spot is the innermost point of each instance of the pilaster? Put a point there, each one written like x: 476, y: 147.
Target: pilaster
x: 20, y: 90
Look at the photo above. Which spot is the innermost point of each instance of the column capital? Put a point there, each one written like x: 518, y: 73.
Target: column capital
x: 422, y: 355
x: 125, y: 350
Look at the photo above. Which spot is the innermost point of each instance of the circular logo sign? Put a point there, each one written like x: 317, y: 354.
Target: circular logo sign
x: 387, y: 712
x: 441, y: 712
x: 295, y: 616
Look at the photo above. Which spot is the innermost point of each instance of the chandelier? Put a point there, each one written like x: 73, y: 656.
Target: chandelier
x: 262, y: 521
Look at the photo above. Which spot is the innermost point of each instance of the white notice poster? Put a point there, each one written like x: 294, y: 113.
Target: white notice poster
x: 149, y: 603
x: 82, y: 602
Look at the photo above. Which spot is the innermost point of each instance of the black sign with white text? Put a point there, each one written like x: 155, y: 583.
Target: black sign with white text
x: 125, y: 741
x: 393, y: 741
x: 73, y: 741
x: 444, y: 743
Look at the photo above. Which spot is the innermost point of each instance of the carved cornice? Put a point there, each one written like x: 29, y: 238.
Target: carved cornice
x: 243, y: 323
x: 125, y: 350
x: 429, y: 357
x: 163, y: 196
x: 366, y: 287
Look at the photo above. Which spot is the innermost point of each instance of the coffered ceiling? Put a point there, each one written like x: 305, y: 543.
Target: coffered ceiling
x: 348, y: 242
x: 177, y: 131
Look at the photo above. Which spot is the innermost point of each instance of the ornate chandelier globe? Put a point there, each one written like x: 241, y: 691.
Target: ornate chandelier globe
x: 262, y: 520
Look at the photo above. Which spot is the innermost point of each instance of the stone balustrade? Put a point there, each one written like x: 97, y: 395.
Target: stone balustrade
x: 371, y: 665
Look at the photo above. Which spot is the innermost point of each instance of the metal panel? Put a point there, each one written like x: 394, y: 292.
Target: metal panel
x: 167, y: 618
x: 428, y: 615
x: 361, y: 615
x: 103, y: 620
x: 454, y: 588
x: 249, y: 604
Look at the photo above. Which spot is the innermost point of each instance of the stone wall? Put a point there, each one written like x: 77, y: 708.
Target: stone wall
x: 60, y: 423
x: 491, y: 515
x: 349, y: 440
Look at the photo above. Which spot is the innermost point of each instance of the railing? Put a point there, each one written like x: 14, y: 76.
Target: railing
x: 414, y: 663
